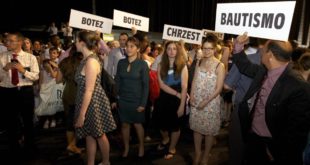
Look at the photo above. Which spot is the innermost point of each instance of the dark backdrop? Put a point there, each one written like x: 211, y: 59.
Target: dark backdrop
x: 198, y: 14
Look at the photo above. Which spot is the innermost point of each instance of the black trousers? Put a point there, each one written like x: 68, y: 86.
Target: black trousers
x: 283, y: 154
x: 17, y: 108
x: 256, y: 150
x: 236, y: 142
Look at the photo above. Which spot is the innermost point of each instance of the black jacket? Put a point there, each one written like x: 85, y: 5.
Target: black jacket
x: 287, y: 110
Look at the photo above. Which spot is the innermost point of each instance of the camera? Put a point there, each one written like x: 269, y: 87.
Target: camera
x: 14, y: 60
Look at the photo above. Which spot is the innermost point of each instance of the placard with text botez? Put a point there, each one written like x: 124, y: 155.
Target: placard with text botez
x: 91, y: 22
x: 128, y: 20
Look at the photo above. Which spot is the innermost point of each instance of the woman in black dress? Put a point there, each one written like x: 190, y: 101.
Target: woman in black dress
x: 169, y: 108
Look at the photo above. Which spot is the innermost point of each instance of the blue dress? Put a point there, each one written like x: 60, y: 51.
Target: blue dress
x: 133, y: 88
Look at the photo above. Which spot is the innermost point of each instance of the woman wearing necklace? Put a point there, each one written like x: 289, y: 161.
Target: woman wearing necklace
x: 92, y: 113
x: 132, y: 83
x: 169, y: 108
x: 205, y: 100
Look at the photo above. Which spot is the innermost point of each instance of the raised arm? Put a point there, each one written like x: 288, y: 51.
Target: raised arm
x: 244, y: 65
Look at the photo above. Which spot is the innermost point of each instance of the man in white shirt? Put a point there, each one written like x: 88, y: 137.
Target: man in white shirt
x: 18, y: 71
x: 67, y: 32
x: 52, y: 29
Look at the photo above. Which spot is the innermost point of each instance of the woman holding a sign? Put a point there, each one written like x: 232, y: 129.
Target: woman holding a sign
x: 93, y: 112
x: 172, y: 77
x: 205, y: 99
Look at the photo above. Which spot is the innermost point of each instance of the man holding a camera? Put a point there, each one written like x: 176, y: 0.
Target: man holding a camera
x: 18, y: 71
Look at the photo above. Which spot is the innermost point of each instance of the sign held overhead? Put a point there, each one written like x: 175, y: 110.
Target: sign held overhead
x: 176, y: 33
x: 217, y: 34
x: 271, y: 20
x: 128, y: 20
x: 91, y: 22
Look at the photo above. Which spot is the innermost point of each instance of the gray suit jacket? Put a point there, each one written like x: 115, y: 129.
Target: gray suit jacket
x: 114, y: 56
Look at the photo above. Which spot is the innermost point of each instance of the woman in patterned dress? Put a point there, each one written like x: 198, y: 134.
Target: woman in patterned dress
x: 92, y: 113
x: 205, y: 100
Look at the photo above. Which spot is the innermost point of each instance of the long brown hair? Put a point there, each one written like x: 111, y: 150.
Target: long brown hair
x: 179, y: 61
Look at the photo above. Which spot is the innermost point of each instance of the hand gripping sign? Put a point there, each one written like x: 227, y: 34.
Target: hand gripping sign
x: 271, y: 20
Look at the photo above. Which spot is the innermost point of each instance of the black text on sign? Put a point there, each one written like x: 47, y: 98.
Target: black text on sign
x: 181, y: 33
x: 262, y: 20
x: 132, y: 21
x: 92, y: 22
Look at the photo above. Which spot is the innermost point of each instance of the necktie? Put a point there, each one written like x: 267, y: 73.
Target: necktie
x: 258, y: 96
x: 124, y: 52
x: 14, y: 72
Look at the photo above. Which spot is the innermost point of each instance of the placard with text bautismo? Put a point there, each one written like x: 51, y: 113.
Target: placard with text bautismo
x: 91, y: 22
x: 271, y: 20
x: 128, y: 20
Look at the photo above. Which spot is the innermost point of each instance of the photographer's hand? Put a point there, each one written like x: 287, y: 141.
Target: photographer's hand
x: 19, y: 67
x: 8, y: 66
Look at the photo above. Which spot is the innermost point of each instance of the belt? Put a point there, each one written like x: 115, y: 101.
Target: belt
x: 18, y: 87
x: 24, y: 87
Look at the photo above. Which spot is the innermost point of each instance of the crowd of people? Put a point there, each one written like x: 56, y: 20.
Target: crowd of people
x: 259, y: 87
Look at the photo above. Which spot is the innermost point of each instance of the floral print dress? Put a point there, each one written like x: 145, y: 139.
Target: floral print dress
x: 206, y: 121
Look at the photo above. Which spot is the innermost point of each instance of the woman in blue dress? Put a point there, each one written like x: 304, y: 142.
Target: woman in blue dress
x: 132, y: 82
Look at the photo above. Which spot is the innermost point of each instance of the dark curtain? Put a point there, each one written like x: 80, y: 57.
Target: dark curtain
x: 197, y: 14
x: 305, y: 30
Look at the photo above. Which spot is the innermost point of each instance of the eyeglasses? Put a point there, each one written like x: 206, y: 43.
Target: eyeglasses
x: 11, y: 41
x: 207, y: 49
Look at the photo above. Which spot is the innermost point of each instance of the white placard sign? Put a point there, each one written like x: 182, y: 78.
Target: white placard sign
x: 176, y: 33
x: 91, y: 22
x: 128, y: 20
x: 271, y: 20
x: 217, y: 34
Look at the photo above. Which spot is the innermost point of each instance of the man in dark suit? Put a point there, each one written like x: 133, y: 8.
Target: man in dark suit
x: 276, y: 124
